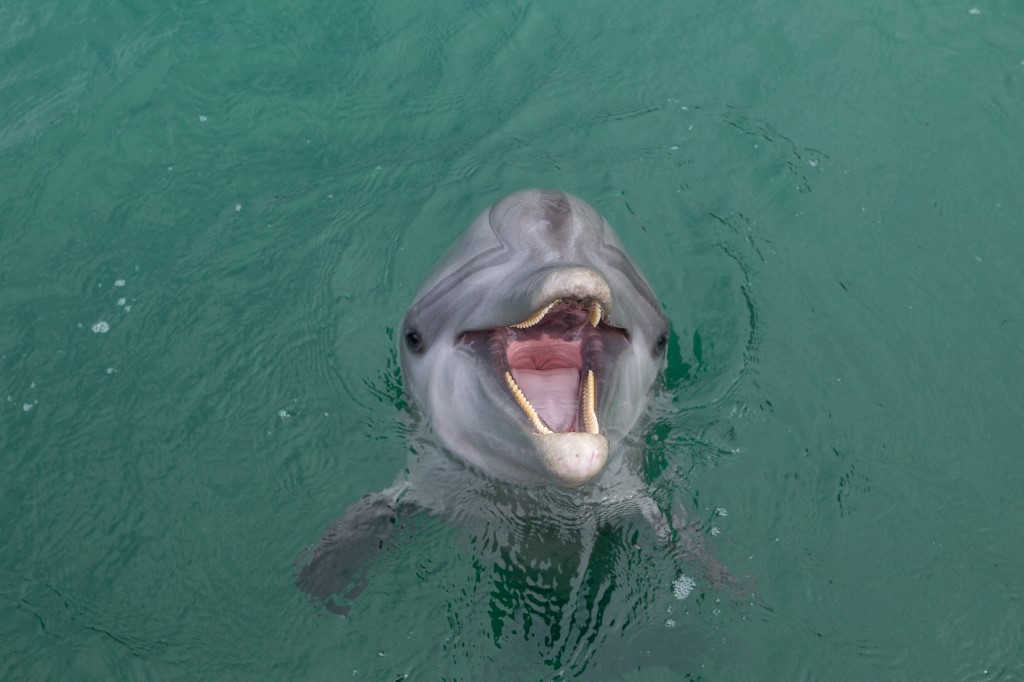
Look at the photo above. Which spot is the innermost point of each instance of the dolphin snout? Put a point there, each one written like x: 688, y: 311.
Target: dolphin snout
x: 582, y: 284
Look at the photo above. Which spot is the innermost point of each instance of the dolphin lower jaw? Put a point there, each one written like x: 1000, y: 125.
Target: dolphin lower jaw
x: 587, y: 416
x: 571, y: 458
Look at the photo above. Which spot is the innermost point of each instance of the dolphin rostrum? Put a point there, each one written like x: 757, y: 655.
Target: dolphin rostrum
x: 529, y: 351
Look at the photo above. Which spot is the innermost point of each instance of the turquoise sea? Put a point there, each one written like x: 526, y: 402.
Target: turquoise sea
x: 213, y: 216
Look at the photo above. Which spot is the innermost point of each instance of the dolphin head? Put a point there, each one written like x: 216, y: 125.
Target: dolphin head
x: 533, y: 344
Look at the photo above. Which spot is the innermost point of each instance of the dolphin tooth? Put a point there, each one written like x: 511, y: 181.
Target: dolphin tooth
x: 596, y: 311
x: 590, y: 404
x: 537, y: 316
x: 538, y: 423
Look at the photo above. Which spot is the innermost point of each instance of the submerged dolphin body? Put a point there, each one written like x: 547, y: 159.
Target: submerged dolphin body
x: 530, y: 352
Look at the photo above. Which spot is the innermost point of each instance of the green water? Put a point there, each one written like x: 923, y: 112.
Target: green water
x: 213, y: 215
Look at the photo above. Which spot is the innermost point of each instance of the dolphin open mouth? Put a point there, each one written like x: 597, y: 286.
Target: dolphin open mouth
x: 547, y: 373
x: 553, y: 362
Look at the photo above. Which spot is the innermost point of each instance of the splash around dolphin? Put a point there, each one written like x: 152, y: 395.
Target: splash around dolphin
x: 529, y: 353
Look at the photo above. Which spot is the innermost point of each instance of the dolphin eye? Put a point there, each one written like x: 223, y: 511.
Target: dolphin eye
x: 413, y: 341
x: 660, y: 344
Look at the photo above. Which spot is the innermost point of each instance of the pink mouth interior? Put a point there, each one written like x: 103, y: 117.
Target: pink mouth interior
x: 548, y: 369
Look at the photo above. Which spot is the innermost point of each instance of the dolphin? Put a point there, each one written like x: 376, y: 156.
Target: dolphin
x: 533, y: 344
x: 529, y: 353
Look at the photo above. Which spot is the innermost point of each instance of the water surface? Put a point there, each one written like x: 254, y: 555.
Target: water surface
x: 213, y: 215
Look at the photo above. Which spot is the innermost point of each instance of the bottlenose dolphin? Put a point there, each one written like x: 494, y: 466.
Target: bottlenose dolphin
x: 529, y: 353
x: 532, y: 346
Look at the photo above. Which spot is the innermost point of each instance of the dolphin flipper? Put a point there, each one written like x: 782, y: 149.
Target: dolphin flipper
x: 336, y: 569
x: 685, y: 539
x: 690, y: 544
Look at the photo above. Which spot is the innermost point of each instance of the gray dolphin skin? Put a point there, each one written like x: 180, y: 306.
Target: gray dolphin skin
x: 529, y: 354
x: 532, y: 346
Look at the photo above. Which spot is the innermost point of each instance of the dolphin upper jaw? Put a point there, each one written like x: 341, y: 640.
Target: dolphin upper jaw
x: 514, y: 298
x: 573, y: 283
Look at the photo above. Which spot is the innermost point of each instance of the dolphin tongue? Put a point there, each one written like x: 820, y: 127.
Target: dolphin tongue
x: 554, y: 393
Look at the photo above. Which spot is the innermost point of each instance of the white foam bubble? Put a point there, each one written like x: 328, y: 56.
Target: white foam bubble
x: 683, y: 586
x: 122, y: 301
x: 238, y: 207
x: 202, y: 119
x: 101, y: 327
x: 974, y: 10
x: 27, y: 407
x: 119, y: 283
x: 721, y: 511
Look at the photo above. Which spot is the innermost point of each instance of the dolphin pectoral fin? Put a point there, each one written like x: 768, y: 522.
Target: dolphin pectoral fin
x: 688, y: 545
x: 336, y: 570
